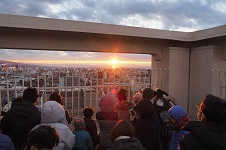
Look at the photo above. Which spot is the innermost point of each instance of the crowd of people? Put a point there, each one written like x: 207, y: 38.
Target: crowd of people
x: 148, y: 122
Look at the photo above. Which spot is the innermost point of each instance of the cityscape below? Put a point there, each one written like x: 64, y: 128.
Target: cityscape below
x: 80, y: 87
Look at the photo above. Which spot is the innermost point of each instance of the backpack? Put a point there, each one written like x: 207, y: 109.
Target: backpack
x: 162, y: 111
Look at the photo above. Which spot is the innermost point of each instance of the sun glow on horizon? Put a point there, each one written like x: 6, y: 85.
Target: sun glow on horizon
x: 113, y: 63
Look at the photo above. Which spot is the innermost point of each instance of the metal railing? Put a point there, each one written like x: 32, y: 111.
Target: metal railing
x: 78, y: 87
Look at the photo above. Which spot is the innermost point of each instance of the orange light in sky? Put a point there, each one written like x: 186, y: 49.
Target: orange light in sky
x: 114, y: 63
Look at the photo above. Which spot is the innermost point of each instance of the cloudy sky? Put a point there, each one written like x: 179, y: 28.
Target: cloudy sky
x: 176, y: 15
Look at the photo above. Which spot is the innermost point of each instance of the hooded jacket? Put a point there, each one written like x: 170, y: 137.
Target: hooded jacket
x: 148, y: 132
x: 53, y: 114
x: 204, y: 136
x: 107, y: 121
x: 181, y: 119
x: 18, y: 122
x: 123, y: 107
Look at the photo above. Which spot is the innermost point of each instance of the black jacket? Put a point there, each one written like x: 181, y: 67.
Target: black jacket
x: 92, y: 129
x: 127, y: 144
x: 18, y: 122
x: 148, y: 132
x: 204, y: 136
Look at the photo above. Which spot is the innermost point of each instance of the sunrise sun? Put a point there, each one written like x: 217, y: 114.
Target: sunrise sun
x: 114, y: 63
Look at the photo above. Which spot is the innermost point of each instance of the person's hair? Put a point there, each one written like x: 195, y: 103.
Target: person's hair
x: 30, y: 95
x: 122, y: 95
x: 43, y: 137
x: 144, y: 108
x: 148, y: 93
x: 88, y: 112
x: 122, y: 128
x: 213, y: 108
x: 56, y: 97
x: 159, y: 94
x: 16, y: 100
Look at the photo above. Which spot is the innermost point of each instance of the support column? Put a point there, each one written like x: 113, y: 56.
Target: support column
x: 174, y: 74
x: 200, y: 76
x: 179, y: 75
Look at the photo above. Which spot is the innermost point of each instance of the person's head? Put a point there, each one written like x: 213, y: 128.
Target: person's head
x: 16, y: 100
x: 178, y: 116
x: 212, y: 109
x: 107, y: 103
x: 55, y: 96
x: 79, y: 123
x: 31, y: 95
x: 148, y: 93
x: 122, y: 128
x: 53, y: 112
x: 88, y: 112
x: 144, y: 108
x: 122, y: 95
x: 158, y: 94
x: 43, y: 138
x: 137, y: 97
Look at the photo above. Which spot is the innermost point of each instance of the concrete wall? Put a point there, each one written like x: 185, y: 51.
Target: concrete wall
x: 218, y: 72
x: 172, y: 74
x: 179, y: 74
x: 200, y: 76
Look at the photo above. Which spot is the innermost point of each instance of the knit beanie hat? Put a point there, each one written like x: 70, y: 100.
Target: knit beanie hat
x: 79, y: 123
x: 179, y: 115
x: 107, y: 103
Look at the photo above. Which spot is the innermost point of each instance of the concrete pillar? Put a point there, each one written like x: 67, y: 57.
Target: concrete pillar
x: 207, y: 75
x: 179, y: 75
x: 200, y: 76
x: 173, y: 73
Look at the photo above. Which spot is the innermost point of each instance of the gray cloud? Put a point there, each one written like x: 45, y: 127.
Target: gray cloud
x: 173, y: 14
x: 182, y: 15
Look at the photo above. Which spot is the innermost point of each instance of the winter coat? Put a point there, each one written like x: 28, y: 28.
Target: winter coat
x: 83, y: 140
x: 180, y: 120
x: 18, y: 122
x: 148, y: 132
x: 6, y: 143
x: 53, y: 114
x: 161, y: 108
x: 127, y: 144
x: 123, y: 108
x: 177, y: 135
x: 92, y: 129
x: 204, y: 136
x: 107, y: 121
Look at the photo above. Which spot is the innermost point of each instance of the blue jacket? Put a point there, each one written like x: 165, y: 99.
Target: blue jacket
x: 177, y: 136
x: 83, y: 140
x: 6, y: 143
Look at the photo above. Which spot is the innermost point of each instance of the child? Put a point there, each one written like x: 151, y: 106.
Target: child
x: 178, y: 119
x: 44, y: 137
x: 83, y: 140
x: 90, y: 125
